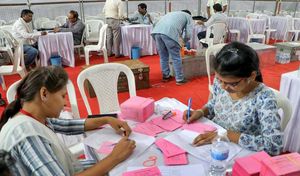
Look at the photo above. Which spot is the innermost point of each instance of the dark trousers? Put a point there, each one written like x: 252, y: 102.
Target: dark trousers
x: 202, y: 35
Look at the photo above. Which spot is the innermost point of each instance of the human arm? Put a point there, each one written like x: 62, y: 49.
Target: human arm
x: 224, y: 8
x: 210, y: 21
x: 21, y: 29
x: 208, y: 11
x: 188, y: 29
x: 75, y: 29
x: 149, y: 18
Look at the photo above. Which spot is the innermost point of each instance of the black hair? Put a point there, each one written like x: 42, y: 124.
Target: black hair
x: 239, y: 60
x: 74, y: 13
x: 143, y: 6
x: 5, y: 161
x: 53, y: 78
x: 25, y: 12
x: 217, y: 7
x: 187, y: 11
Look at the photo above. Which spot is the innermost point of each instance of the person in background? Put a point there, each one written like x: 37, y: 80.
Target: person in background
x: 142, y: 17
x: 114, y: 11
x: 167, y: 34
x: 28, y: 132
x: 241, y: 103
x: 6, y: 161
x: 74, y: 25
x: 211, y: 3
x: 217, y: 17
x: 22, y: 32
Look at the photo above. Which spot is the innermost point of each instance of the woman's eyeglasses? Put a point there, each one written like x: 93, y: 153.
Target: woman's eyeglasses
x: 231, y: 84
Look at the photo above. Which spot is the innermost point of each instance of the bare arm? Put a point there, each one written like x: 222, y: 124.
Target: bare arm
x: 208, y: 11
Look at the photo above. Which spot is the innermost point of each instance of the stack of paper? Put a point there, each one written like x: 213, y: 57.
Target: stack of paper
x: 151, y: 171
x: 173, y: 155
x: 199, y: 127
x: 148, y: 128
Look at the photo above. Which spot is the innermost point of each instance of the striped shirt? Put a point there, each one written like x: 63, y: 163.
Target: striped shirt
x: 34, y: 155
x: 174, y: 25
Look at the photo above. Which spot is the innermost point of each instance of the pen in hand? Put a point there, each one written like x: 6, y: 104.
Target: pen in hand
x: 189, y: 110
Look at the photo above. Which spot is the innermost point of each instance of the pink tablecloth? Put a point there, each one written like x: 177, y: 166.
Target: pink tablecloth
x: 61, y: 43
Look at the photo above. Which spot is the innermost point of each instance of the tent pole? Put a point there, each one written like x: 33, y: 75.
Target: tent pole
x: 254, y: 2
x: 165, y: 6
x: 199, y: 8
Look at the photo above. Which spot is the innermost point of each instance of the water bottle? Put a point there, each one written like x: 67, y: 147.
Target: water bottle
x: 219, y: 154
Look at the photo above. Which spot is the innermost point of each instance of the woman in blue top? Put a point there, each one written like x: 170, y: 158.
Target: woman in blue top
x: 241, y: 103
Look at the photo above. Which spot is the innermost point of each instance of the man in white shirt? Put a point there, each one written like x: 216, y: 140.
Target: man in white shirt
x: 217, y: 17
x: 211, y: 3
x: 114, y: 11
x: 22, y: 31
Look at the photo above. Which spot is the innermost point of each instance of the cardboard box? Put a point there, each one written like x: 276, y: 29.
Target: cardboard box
x: 192, y: 66
x: 249, y: 165
x: 289, y: 51
x: 141, y: 74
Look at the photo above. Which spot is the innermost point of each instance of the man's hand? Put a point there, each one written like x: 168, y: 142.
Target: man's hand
x: 200, y: 22
x: 56, y: 29
x: 44, y: 33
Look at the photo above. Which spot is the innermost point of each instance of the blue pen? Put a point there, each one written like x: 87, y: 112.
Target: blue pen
x: 189, y: 109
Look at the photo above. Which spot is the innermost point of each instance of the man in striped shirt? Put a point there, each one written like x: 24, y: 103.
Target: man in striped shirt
x: 167, y: 33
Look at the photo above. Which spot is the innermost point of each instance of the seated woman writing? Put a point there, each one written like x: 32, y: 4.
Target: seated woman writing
x: 241, y: 103
x: 28, y: 133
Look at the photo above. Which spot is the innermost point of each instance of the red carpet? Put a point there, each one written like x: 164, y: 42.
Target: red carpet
x: 196, y: 88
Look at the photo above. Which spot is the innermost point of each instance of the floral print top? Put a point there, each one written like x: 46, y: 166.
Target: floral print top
x: 255, y: 116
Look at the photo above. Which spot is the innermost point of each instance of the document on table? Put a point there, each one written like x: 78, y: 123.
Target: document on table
x: 166, y: 104
x: 184, y: 139
x: 186, y: 170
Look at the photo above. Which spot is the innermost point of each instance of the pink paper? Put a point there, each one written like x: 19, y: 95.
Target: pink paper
x: 106, y: 147
x: 150, y: 171
x: 168, y: 124
x: 169, y: 149
x: 178, y: 116
x: 199, y: 127
x: 176, y: 160
x: 148, y: 129
x: 143, y: 130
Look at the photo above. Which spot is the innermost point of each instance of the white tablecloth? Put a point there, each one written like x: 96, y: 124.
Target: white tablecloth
x: 61, y: 43
x: 290, y: 87
x: 281, y: 25
x: 138, y: 35
x: 240, y: 24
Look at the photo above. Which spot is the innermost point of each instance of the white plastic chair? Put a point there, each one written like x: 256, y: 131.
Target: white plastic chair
x: 61, y: 19
x: 285, y: 105
x: 92, y: 30
x: 219, y: 32
x: 38, y: 22
x: 101, y: 46
x: 257, y: 28
x: 2, y: 22
x: 7, y: 28
x: 17, y: 59
x: 72, y: 142
x: 87, y: 18
x: 268, y: 30
x: 211, y: 50
x: 293, y: 30
x: 236, y: 32
x: 81, y: 45
x: 50, y: 24
x: 104, y: 80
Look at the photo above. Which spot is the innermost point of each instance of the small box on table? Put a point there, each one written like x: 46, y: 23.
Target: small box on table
x: 283, y: 165
x: 249, y: 165
x: 192, y: 66
x: 287, y: 51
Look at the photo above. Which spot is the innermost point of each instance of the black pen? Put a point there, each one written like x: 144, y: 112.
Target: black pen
x: 167, y: 115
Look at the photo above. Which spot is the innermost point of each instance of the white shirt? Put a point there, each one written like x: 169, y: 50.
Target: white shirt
x: 211, y: 3
x: 114, y: 9
x: 218, y: 17
x: 23, y: 32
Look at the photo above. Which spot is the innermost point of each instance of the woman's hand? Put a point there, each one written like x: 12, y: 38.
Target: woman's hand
x: 121, y: 127
x: 205, y: 138
x: 123, y: 149
x: 195, y: 115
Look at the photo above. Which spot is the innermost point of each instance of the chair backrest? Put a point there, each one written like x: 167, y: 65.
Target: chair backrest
x: 50, y: 24
x: 104, y: 80
x: 218, y: 30
x: 2, y: 22
x: 102, y: 37
x: 6, y: 27
x: 38, y: 22
x: 61, y: 19
x: 92, y: 29
x: 12, y: 91
x: 285, y: 105
x: 211, y: 50
x: 257, y: 26
x: 296, y: 24
x: 252, y: 15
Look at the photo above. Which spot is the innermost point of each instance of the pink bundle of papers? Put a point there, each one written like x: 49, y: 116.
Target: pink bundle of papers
x: 168, y: 124
x: 199, y: 127
x: 249, y: 165
x: 151, y: 171
x: 178, y: 116
x: 106, y: 147
x: 173, y: 155
x: 148, y: 128
x: 287, y: 165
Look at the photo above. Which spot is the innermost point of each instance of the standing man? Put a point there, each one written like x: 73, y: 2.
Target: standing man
x: 74, y: 25
x: 167, y: 33
x: 114, y: 11
x: 22, y: 31
x: 211, y: 3
x: 142, y: 17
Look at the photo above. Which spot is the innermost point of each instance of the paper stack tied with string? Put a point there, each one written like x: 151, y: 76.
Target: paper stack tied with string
x: 173, y: 155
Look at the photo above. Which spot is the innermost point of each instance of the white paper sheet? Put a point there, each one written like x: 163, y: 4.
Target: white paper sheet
x: 186, y: 170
